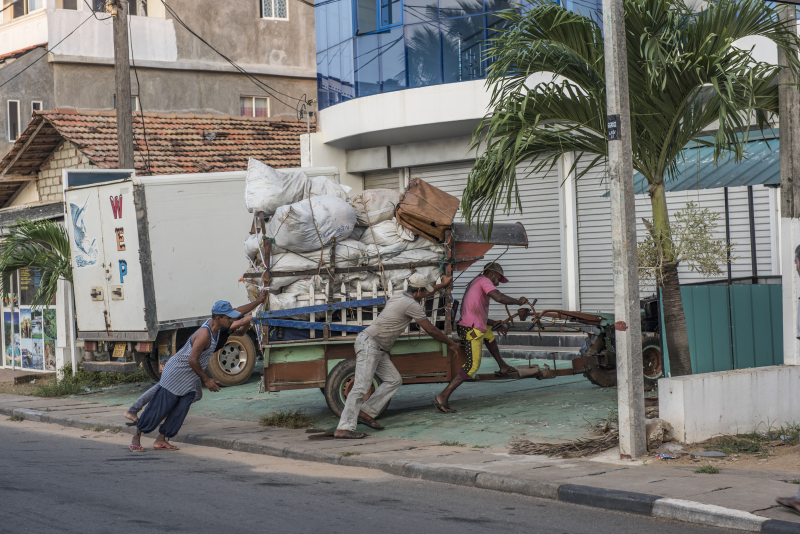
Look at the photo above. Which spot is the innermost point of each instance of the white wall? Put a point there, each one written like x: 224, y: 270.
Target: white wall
x: 315, y: 153
x: 23, y: 32
x: 730, y: 402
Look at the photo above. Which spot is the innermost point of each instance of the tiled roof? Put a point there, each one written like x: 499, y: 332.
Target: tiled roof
x: 18, y: 53
x: 176, y: 143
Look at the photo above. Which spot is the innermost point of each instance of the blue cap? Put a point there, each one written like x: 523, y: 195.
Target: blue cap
x: 223, y: 307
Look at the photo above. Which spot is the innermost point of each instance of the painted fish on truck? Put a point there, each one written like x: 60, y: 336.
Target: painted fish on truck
x: 87, y: 251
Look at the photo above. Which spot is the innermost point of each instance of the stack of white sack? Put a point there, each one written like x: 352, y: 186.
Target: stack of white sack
x: 312, y: 224
x: 267, y: 189
x: 374, y: 206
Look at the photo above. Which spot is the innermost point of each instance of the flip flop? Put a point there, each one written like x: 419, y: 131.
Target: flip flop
x: 372, y: 423
x: 788, y: 507
x: 508, y: 373
x: 166, y: 447
x: 443, y: 407
x: 130, y: 423
x: 136, y: 448
x: 351, y: 435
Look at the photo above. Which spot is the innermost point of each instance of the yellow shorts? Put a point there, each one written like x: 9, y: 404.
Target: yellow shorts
x: 473, y: 340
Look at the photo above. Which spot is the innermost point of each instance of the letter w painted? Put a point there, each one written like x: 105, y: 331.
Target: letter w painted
x: 116, y: 206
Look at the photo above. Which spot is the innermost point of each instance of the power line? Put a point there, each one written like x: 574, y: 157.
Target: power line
x: 46, y: 52
x: 139, y: 95
x: 263, y: 86
x: 18, y: 1
x: 94, y: 13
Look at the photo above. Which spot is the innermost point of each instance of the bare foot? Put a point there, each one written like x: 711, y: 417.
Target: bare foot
x: 442, y: 404
x: 129, y: 415
x: 348, y: 434
x: 789, y: 502
x: 362, y: 415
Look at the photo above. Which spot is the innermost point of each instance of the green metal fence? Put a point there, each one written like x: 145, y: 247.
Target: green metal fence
x: 733, y: 326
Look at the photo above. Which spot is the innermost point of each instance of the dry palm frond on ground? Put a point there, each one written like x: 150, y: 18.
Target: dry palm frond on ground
x: 607, y: 437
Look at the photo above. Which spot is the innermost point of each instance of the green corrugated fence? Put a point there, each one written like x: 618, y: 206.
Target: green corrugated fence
x: 733, y: 327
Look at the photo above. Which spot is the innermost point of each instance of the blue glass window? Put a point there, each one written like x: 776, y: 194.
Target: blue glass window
x: 377, y: 15
x: 346, y: 19
x: 332, y: 22
x: 391, y: 13
x: 498, y: 5
x: 423, y: 51
x: 420, y: 10
x: 320, y: 28
x: 322, y: 80
x: 462, y: 49
x: 348, y: 85
x: 335, y: 73
x: 393, y: 60
x: 367, y: 66
x: 459, y: 8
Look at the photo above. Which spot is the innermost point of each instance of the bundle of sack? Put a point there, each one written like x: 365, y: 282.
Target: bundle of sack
x: 306, y: 215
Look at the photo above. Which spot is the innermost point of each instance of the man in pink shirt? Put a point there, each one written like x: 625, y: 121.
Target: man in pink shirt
x: 475, y: 329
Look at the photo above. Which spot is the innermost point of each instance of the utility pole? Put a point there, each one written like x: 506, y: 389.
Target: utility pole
x: 122, y: 79
x: 789, y: 131
x: 630, y: 381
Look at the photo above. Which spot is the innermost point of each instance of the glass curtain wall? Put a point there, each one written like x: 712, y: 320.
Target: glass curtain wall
x: 388, y: 45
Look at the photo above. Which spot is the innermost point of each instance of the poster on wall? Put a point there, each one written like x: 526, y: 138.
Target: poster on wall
x: 25, y: 329
x: 11, y: 332
x: 49, y: 329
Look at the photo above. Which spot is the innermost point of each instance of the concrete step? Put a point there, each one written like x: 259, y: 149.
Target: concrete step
x: 110, y: 367
x: 523, y: 352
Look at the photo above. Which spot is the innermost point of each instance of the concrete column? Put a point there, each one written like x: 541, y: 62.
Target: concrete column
x: 569, y: 234
x: 789, y: 111
x: 630, y: 387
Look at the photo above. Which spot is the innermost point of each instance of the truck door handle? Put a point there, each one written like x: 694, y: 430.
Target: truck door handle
x: 95, y: 294
x: 117, y: 292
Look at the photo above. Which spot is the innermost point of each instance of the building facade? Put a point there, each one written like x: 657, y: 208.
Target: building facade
x: 415, y: 119
x: 59, y: 54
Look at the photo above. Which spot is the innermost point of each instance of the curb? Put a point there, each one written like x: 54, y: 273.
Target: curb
x: 620, y: 501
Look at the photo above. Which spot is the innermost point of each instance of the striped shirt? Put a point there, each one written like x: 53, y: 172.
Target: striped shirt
x: 178, y: 376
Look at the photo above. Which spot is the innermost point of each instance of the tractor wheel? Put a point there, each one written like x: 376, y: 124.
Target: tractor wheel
x: 340, y: 382
x: 234, y: 363
x: 605, y: 376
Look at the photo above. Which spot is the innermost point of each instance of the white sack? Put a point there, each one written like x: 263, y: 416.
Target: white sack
x: 397, y: 276
x: 322, y: 185
x: 291, y: 262
x: 350, y: 253
x: 251, y: 247
x: 358, y: 232
x: 293, y: 227
x: 420, y: 250
x: 266, y: 189
x: 386, y: 233
x: 375, y: 205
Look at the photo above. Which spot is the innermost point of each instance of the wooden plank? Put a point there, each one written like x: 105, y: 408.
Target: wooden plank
x: 22, y: 150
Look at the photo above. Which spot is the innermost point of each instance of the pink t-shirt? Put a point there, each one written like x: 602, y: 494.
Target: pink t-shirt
x: 475, y: 308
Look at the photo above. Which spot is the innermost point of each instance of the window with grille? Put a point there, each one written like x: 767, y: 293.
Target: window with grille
x: 274, y: 9
x: 254, y: 106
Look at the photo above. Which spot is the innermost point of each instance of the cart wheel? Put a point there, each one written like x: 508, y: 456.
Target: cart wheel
x: 234, y: 363
x: 652, y: 362
x: 340, y: 382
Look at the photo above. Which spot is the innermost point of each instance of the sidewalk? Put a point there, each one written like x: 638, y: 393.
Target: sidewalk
x: 734, y: 499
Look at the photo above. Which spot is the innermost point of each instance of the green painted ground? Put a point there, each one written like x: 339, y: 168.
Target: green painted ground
x: 489, y: 413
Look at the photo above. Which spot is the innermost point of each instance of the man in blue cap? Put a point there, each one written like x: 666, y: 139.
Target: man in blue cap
x: 177, y: 391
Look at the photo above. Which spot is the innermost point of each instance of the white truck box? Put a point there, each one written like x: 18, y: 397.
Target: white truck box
x: 153, y: 253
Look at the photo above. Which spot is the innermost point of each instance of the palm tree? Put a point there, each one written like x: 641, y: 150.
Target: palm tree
x: 685, y: 77
x: 42, y: 245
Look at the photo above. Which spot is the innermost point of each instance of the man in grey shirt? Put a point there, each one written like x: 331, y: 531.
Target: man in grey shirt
x: 372, y: 355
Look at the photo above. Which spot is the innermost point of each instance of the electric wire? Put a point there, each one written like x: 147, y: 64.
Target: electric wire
x: 46, y: 52
x: 139, y: 94
x: 18, y: 1
x: 94, y: 12
x: 263, y: 86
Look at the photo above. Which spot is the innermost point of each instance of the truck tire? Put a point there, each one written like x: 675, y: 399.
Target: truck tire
x: 234, y: 363
x: 339, y: 382
x: 150, y: 365
x: 652, y: 362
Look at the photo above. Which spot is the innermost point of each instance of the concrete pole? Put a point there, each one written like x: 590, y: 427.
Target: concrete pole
x: 789, y: 111
x: 630, y: 386
x: 122, y: 79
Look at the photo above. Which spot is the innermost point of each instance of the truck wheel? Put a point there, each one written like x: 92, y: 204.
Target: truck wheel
x: 150, y: 365
x: 652, y: 363
x: 340, y: 382
x: 234, y: 363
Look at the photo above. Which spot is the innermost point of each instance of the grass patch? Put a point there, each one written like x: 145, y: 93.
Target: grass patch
x: 288, y: 419
x: 480, y: 446
x: 742, y: 444
x: 98, y: 428
x: 452, y: 444
x: 85, y: 382
x: 349, y: 453
x: 708, y: 470
x: 795, y: 481
x: 16, y: 418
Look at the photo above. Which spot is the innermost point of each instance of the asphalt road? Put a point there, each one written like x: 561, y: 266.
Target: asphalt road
x: 67, y: 480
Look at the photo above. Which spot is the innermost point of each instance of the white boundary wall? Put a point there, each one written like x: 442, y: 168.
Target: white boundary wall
x: 729, y: 402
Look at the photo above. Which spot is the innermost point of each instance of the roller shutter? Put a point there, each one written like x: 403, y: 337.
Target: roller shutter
x: 594, y: 234
x: 382, y: 180
x: 534, y: 272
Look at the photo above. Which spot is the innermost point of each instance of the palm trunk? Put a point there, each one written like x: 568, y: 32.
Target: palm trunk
x: 677, y: 339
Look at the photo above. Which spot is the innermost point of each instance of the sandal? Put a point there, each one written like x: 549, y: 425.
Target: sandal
x: 444, y: 408
x: 166, y: 447
x: 351, y: 435
x: 786, y: 505
x: 372, y: 423
x: 136, y: 448
x: 507, y: 374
